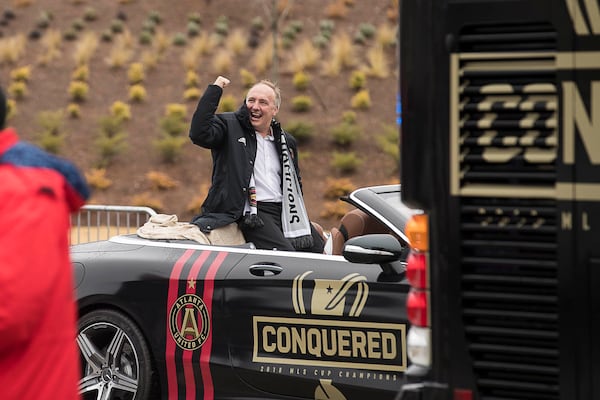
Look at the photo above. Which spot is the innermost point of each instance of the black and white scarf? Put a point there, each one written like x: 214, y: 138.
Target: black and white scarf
x: 294, y: 218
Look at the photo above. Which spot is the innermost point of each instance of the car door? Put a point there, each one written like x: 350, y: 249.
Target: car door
x: 316, y: 326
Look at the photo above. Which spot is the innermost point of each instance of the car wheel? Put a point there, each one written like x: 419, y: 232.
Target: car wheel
x: 115, y: 360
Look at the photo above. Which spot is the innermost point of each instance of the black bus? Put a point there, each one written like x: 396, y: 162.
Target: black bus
x: 500, y: 148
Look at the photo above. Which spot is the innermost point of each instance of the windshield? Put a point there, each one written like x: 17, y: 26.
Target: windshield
x: 394, y: 200
x: 385, y: 204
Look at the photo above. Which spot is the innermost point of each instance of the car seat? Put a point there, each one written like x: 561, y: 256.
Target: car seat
x: 354, y: 223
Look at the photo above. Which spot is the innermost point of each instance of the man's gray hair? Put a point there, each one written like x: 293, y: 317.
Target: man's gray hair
x: 275, y: 88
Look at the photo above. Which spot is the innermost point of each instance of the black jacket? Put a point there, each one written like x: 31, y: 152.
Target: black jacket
x: 232, y: 141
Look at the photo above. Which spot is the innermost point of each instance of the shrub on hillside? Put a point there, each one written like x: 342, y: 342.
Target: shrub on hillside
x: 96, y: 178
x: 326, y: 27
x: 302, y: 131
x: 17, y: 90
x: 176, y: 110
x: 50, y: 143
x: 90, y: 14
x: 22, y: 74
x: 222, y: 26
x: 358, y: 80
x: 120, y: 109
x: 344, y: 133
x: 51, y: 43
x: 349, y: 117
x: 52, y: 135
x: 193, y: 29
x: 78, y: 90
x: 334, y: 209
x: 136, y: 73
x: 336, y: 188
x: 111, y: 125
x: 320, y: 41
x: 81, y: 73
x: 109, y: 147
x: 338, y: 9
x: 78, y: 24
x: 170, y: 147
x: 227, y: 103
x: 222, y: 61
x: 305, y: 56
x: 262, y: 57
x: 12, y: 48
x: 191, y: 79
x: 367, y: 30
x: 300, y: 80
x: 70, y: 34
x: 237, y: 42
x: 247, y: 77
x: 145, y: 37
x: 346, y: 163
x: 195, y: 17
x: 161, y: 181
x: 342, y: 55
x: 52, y: 121
x: 257, y: 24
x: 74, y: 110
x: 378, y: 62
x: 155, y: 17
x: 172, y: 128
x: 179, y: 39
x: 117, y: 26
x: 301, y: 103
x: 192, y: 94
x: 111, y: 140
x: 361, y: 100
x: 389, y: 142
x: 137, y: 93
x: 387, y: 35
x: 106, y: 36
x: 173, y: 125
x: 11, y: 109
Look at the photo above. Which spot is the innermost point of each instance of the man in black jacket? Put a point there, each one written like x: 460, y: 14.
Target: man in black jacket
x: 255, y: 178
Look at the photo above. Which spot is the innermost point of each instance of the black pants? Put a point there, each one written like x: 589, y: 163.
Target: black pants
x: 270, y: 236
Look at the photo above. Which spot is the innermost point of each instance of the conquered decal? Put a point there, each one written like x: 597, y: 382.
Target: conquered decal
x: 189, y: 322
x: 343, y: 344
x: 346, y: 344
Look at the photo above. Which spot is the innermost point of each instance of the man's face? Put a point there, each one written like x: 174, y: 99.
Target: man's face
x: 261, y: 106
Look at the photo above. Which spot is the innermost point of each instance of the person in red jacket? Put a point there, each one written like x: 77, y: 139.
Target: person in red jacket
x: 38, y: 191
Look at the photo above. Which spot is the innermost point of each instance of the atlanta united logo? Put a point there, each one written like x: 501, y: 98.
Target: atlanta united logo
x: 189, y: 322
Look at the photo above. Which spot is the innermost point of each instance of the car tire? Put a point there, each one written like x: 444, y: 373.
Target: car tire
x: 115, y: 360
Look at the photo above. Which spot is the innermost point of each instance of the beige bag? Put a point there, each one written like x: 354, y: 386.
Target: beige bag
x: 167, y: 226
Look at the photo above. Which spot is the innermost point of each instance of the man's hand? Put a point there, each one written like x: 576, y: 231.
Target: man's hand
x: 221, y: 81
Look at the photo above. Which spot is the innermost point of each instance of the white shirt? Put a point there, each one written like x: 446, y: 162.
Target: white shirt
x: 267, y: 170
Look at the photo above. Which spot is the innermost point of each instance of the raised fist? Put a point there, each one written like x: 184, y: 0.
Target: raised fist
x: 221, y: 81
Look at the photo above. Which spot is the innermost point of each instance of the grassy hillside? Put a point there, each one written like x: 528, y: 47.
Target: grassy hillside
x: 112, y: 85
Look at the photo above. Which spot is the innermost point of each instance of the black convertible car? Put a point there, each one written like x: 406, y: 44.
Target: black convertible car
x: 175, y: 319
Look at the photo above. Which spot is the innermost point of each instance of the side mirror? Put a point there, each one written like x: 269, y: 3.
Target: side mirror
x: 382, y: 249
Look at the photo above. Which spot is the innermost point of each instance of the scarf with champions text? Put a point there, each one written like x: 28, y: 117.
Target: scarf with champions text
x: 294, y: 218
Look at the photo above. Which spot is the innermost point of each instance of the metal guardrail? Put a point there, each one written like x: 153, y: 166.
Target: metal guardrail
x: 99, y: 222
